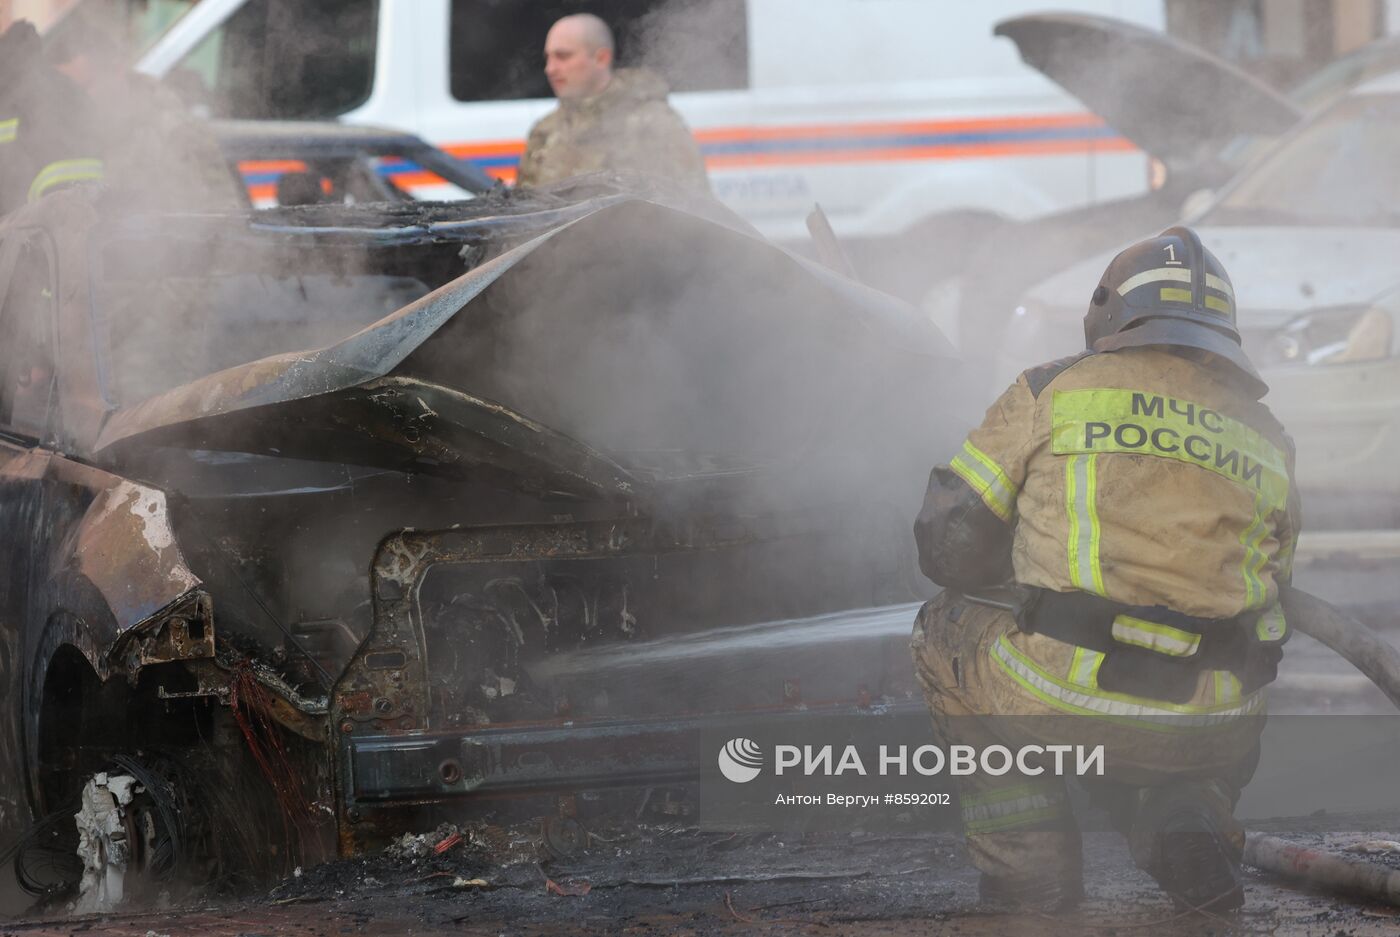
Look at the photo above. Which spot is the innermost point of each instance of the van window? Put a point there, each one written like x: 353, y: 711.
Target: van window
x: 26, y: 356
x: 286, y: 59
x: 497, y: 46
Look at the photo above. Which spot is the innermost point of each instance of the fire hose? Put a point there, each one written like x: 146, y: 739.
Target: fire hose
x: 1380, y: 662
x: 1360, y: 646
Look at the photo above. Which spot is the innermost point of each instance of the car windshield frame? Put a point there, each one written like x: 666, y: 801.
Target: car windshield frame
x: 156, y: 35
x: 140, y: 43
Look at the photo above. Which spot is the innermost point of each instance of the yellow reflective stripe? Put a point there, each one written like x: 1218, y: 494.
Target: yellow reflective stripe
x: 1283, y: 559
x: 1081, y: 495
x: 1014, y: 821
x: 1009, y: 808
x: 1227, y: 687
x: 978, y: 484
x: 1173, y: 274
x: 1252, y: 566
x: 986, y: 478
x: 9, y: 130
x: 1117, y: 707
x: 1143, y: 423
x: 1010, y: 792
x: 1271, y: 626
x: 63, y: 172
x: 1174, y: 295
x: 1216, y: 283
x: 1155, y: 636
x: 1084, y: 667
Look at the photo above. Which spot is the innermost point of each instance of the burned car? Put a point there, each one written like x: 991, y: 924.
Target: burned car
x: 320, y: 518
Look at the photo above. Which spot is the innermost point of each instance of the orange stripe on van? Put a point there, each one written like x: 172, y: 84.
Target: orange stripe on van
x: 737, y: 147
x: 902, y: 154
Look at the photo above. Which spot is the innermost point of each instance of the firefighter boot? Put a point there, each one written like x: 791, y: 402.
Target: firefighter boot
x: 1191, y: 846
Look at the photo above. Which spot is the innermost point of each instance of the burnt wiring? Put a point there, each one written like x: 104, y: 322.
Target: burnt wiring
x: 168, y: 846
x: 46, y: 863
x: 252, y: 710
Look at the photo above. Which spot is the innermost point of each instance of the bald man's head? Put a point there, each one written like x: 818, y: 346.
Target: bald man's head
x: 578, y: 56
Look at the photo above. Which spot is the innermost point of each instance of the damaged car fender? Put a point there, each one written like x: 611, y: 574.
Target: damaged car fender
x: 120, y: 594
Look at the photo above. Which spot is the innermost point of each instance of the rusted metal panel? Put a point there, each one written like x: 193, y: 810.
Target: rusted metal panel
x: 405, y: 737
x: 125, y: 546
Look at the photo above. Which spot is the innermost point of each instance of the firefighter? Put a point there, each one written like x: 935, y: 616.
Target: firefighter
x: 607, y: 119
x: 151, y: 144
x: 45, y: 138
x: 19, y: 46
x: 1111, y: 539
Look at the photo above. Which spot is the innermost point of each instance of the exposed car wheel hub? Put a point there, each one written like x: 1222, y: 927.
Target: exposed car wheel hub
x: 124, y: 839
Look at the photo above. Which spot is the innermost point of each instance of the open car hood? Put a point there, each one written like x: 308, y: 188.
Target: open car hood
x: 1171, y: 98
x: 634, y: 345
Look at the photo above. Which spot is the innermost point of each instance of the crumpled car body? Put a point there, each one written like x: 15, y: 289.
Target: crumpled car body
x: 308, y: 498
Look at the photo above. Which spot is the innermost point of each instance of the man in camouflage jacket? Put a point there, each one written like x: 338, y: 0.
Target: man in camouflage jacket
x: 607, y: 119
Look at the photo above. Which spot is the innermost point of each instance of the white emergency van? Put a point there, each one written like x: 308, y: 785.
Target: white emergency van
x: 889, y: 113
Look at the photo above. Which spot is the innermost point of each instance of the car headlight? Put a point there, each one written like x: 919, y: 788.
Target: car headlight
x: 1343, y: 335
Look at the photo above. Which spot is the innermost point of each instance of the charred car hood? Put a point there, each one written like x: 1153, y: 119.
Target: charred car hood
x: 671, y: 344
x: 1172, y: 99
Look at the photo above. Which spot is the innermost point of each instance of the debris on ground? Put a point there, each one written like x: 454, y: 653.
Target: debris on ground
x: 569, y: 889
x: 1375, y: 846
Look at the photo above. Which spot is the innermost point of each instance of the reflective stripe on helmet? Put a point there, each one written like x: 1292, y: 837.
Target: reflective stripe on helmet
x: 9, y: 130
x: 1154, y: 636
x: 986, y: 478
x: 1081, y: 496
x: 1175, y: 275
x: 1172, y: 294
x: 1014, y: 807
x: 64, y: 172
x: 1135, y: 711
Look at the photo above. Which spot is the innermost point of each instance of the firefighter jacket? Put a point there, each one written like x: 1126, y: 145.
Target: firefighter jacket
x: 626, y: 127
x: 45, y: 136
x: 136, y: 135
x: 1146, y: 504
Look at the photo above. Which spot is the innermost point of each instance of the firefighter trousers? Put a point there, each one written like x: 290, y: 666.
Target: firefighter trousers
x: 987, y: 683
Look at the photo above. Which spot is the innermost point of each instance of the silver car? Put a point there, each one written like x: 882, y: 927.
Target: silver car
x: 1310, y: 234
